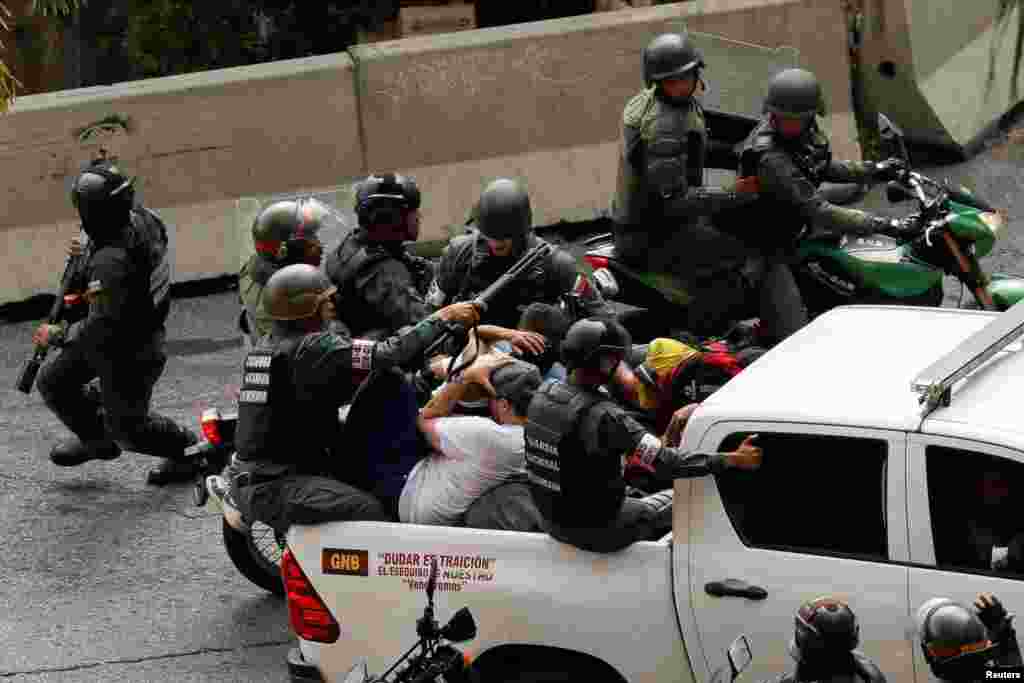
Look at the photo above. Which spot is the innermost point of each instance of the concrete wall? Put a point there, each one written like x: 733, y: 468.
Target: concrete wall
x: 538, y: 101
x: 197, y: 141
x: 941, y: 57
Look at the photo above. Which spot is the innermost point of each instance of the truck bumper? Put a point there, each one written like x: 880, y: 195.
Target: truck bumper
x: 301, y: 671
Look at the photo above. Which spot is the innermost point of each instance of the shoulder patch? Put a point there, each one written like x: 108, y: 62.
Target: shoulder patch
x: 637, y: 106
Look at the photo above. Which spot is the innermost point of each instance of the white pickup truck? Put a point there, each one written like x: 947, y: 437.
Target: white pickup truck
x: 864, y: 493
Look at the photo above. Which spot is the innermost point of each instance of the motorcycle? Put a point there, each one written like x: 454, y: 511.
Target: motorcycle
x: 253, y: 547
x: 434, y: 661
x: 955, y: 229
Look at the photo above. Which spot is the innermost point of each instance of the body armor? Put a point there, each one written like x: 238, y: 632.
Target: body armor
x: 468, y: 269
x: 663, y: 156
x: 265, y: 403
x: 812, y: 153
x: 570, y: 487
x: 348, y: 266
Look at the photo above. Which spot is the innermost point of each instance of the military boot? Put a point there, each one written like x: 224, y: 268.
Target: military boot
x: 177, y: 469
x: 72, y: 452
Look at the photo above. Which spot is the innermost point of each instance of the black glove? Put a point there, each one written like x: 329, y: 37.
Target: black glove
x: 890, y: 169
x: 993, y: 615
x: 422, y: 270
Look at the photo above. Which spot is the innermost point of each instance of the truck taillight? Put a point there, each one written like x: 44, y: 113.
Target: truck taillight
x: 210, y: 422
x: 309, y: 616
x: 596, y: 261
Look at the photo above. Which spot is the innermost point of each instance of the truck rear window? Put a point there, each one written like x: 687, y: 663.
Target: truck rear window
x: 814, y: 494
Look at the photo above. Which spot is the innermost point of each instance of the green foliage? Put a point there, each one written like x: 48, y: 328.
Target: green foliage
x: 168, y: 37
x: 50, y: 8
x: 8, y: 83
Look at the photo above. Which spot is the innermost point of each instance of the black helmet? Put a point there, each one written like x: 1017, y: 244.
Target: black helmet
x: 955, y: 642
x: 280, y: 227
x: 670, y: 55
x: 503, y: 212
x: 825, y: 628
x: 589, y: 339
x: 383, y: 199
x: 563, y: 270
x: 296, y: 292
x: 103, y: 195
x: 794, y: 92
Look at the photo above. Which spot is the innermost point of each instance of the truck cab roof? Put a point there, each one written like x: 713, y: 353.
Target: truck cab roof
x: 854, y: 365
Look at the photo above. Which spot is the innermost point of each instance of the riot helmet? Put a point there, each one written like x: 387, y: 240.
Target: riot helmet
x: 794, y: 93
x: 503, y: 212
x: 671, y: 55
x: 282, y: 230
x: 826, y: 629
x: 595, y: 344
x: 103, y: 196
x: 384, y: 203
x: 954, y: 640
x: 296, y: 292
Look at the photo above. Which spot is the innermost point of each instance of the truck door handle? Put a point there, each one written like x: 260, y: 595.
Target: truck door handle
x: 735, y: 587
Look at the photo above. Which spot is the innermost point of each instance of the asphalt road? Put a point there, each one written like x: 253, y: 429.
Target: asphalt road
x: 105, y: 578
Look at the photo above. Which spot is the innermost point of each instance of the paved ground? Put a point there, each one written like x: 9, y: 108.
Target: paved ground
x: 105, y: 578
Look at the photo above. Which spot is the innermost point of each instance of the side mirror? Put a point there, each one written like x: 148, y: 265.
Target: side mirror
x: 896, y: 193
x: 460, y: 628
x: 739, y: 655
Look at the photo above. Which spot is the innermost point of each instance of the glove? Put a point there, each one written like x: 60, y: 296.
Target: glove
x: 890, y: 169
x: 992, y: 613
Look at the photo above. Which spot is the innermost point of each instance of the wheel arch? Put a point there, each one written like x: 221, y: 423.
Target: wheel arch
x: 510, y: 658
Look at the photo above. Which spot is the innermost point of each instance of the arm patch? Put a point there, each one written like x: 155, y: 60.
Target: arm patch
x: 648, y: 448
x: 362, y: 354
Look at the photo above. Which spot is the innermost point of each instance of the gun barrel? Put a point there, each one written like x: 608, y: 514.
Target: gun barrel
x: 518, y: 268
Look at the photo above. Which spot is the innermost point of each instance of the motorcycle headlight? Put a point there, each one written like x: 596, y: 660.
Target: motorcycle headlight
x: 993, y: 220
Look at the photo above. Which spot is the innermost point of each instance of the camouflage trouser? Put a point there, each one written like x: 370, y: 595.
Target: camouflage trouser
x: 640, y: 519
x: 302, y: 499
x: 119, y: 411
x: 745, y: 286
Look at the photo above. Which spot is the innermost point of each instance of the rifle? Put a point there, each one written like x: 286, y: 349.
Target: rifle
x: 27, y: 376
x: 484, y: 298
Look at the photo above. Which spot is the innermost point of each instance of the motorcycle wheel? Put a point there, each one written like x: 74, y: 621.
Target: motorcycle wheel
x: 256, y: 554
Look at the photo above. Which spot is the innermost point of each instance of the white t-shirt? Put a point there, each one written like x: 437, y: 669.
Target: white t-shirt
x: 476, y: 454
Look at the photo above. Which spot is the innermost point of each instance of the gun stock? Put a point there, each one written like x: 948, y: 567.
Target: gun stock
x: 27, y: 377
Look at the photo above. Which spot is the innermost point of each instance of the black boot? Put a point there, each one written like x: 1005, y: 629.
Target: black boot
x: 72, y: 452
x: 177, y: 469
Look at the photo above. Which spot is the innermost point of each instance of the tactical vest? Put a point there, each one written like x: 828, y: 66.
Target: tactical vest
x: 673, y: 147
x: 344, y: 266
x: 775, y: 224
x: 570, y: 486
x: 266, y: 403
x: 812, y: 154
x: 473, y: 271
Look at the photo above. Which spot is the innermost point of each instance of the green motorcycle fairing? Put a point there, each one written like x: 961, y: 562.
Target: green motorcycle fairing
x: 1005, y: 290
x: 876, y: 264
x: 976, y: 226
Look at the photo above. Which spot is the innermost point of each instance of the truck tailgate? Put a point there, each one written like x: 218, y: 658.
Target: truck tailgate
x: 521, y: 588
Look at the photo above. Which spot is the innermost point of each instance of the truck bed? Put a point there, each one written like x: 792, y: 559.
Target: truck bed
x: 522, y: 588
